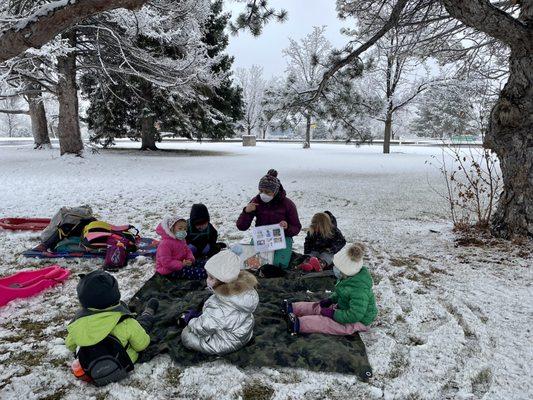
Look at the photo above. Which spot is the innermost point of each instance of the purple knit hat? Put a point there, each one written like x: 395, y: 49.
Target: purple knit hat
x: 270, y: 181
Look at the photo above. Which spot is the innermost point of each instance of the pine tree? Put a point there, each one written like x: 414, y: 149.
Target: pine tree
x: 130, y: 106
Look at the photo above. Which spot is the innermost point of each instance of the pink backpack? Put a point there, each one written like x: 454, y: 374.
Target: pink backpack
x: 116, y: 255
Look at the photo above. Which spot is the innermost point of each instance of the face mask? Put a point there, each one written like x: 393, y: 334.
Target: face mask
x: 337, y: 272
x: 180, y: 235
x: 211, y: 282
x: 265, y: 197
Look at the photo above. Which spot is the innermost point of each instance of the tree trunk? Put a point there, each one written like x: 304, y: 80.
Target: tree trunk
x: 387, y: 134
x: 307, y: 141
x: 510, y: 135
x: 149, y: 133
x: 67, y: 94
x: 39, y: 124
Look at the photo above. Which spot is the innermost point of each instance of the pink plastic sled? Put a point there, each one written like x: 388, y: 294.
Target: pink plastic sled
x: 29, y: 283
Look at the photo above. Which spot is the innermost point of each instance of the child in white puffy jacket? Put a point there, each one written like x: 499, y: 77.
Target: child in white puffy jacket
x: 227, y: 321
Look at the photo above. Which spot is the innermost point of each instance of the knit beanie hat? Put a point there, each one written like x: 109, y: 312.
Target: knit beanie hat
x: 225, y: 266
x: 270, y: 181
x: 99, y: 290
x: 349, y: 260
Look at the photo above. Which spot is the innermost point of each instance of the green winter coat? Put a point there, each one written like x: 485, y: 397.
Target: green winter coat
x: 355, y: 299
x: 91, y: 329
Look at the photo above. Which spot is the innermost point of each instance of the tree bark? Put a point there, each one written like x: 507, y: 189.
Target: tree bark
x: 388, y: 132
x: 149, y: 133
x: 67, y: 95
x: 46, y: 23
x: 37, y: 112
x: 510, y: 135
x: 307, y: 141
x: 510, y: 132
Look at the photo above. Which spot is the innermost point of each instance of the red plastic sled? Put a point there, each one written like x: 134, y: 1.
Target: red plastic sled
x: 29, y: 283
x: 24, y: 224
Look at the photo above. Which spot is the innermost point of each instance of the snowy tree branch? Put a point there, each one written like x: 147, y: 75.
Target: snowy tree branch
x: 354, y: 55
x: 50, y: 20
x: 485, y: 17
x: 3, y: 111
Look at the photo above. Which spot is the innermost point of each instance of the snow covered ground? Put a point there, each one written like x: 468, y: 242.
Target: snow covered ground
x: 454, y: 323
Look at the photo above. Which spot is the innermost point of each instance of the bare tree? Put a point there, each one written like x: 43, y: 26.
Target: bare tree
x: 253, y: 88
x: 463, y: 28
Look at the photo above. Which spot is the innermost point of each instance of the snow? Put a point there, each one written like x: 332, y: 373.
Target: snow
x: 454, y: 322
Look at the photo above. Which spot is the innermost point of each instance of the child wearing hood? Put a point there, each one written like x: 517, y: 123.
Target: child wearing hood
x: 201, y: 234
x: 173, y: 257
x: 272, y: 206
x: 352, y: 306
x: 226, y: 322
x: 103, y: 314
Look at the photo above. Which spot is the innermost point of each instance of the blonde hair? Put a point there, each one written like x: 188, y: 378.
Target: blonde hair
x: 321, y: 224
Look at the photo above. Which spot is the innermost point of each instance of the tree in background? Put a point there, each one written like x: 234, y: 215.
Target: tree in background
x: 253, y: 88
x: 209, y: 110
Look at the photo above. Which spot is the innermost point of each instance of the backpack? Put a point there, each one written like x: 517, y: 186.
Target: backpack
x: 97, y: 233
x: 106, y: 361
x: 66, y: 215
x: 116, y: 255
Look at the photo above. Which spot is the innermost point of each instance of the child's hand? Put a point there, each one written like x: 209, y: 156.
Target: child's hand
x: 250, y: 207
x: 326, y: 303
x: 187, y: 263
x: 284, y: 224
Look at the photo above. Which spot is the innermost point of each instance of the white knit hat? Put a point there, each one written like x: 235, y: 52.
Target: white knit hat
x: 349, y: 260
x: 225, y: 266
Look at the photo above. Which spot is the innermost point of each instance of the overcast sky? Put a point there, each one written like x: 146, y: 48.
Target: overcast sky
x: 265, y: 50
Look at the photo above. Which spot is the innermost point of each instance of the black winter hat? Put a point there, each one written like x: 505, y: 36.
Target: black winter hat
x: 199, y: 213
x: 99, y: 290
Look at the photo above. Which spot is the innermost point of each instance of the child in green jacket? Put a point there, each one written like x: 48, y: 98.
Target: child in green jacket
x: 103, y: 314
x: 352, y: 306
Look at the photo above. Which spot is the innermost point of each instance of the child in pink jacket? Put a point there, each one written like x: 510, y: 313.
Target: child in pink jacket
x: 174, y: 258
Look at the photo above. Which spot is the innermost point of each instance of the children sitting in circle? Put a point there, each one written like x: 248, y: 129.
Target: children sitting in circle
x: 322, y: 242
x: 226, y: 322
x: 352, y: 306
x: 174, y: 258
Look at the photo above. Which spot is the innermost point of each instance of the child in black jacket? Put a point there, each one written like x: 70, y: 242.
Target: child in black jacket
x: 323, y: 240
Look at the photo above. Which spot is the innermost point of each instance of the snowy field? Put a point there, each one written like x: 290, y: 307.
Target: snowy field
x: 454, y: 322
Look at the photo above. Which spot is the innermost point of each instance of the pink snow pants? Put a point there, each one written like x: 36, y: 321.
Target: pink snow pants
x: 311, y: 321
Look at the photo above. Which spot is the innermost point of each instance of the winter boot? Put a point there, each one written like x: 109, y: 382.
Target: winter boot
x: 286, y: 307
x: 315, y: 264
x: 293, y: 324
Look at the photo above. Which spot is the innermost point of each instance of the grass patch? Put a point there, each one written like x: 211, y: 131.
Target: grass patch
x: 256, y: 390
x: 58, y: 395
x: 403, y: 261
x: 398, y: 363
x: 173, y: 376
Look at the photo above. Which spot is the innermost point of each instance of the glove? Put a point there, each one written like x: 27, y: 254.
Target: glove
x: 326, y: 303
x: 206, y: 250
x: 327, y: 312
x: 193, y: 248
x: 186, y: 317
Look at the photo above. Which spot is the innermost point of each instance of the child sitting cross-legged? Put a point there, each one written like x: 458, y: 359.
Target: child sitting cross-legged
x: 105, y: 335
x: 226, y: 321
x: 174, y: 258
x: 322, y: 242
x: 352, y: 306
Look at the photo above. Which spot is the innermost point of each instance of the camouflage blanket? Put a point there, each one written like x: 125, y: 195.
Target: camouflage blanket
x: 272, y: 345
